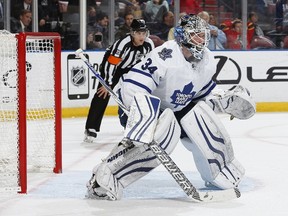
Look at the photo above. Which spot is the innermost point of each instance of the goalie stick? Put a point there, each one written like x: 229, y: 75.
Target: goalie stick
x: 190, y: 190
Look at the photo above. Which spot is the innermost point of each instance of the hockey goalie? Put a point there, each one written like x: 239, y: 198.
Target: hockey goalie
x: 171, y: 97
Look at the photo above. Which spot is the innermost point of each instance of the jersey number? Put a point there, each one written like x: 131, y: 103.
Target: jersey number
x: 147, y: 66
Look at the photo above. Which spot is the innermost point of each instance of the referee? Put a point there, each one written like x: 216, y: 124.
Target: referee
x: 119, y: 58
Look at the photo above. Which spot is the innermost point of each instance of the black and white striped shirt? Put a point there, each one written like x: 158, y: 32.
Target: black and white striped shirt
x: 121, y: 56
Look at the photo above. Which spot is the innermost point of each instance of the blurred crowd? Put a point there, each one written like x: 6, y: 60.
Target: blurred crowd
x: 63, y: 17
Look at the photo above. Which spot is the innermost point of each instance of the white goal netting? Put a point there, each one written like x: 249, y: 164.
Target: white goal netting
x: 40, y: 107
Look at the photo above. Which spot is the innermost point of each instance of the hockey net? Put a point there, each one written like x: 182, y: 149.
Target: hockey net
x: 30, y: 107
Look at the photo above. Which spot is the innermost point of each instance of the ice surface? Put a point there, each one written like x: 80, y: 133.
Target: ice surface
x: 260, y: 144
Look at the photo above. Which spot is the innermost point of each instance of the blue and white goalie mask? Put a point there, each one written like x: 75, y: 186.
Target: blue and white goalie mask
x: 193, y: 33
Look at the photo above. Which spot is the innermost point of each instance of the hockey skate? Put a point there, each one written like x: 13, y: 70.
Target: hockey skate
x: 95, y: 191
x: 90, y: 135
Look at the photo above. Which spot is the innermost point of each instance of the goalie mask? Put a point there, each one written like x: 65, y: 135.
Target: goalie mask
x: 193, y: 33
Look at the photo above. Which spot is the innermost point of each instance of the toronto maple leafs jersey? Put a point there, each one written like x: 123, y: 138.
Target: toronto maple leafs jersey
x: 165, y: 73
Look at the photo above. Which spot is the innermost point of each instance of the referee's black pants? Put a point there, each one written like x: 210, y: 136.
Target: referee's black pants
x: 96, y: 111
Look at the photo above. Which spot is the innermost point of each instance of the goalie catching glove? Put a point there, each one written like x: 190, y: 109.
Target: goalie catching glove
x: 235, y: 101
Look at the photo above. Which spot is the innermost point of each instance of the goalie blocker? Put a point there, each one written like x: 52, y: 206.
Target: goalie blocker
x: 130, y: 160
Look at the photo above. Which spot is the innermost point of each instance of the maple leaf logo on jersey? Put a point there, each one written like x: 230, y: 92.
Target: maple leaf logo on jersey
x: 182, y: 98
x: 165, y: 53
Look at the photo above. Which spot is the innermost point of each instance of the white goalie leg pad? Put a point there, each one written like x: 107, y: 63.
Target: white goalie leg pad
x: 142, y: 118
x: 231, y: 174
x: 107, y: 186
x: 128, y: 163
x: 211, y: 147
x: 236, y: 101
x: 167, y: 132
x: 167, y: 135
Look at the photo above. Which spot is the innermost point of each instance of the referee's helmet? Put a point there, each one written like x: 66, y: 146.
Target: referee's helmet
x: 138, y: 25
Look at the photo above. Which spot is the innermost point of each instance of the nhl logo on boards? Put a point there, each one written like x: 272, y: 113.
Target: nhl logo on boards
x: 78, y: 76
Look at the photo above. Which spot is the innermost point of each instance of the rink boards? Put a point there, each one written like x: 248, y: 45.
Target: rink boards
x: 264, y: 73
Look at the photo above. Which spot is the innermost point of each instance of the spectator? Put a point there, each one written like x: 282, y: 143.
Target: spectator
x: 97, y: 4
x: 92, y: 41
x: 285, y: 43
x: 63, y: 6
x: 135, y: 8
x: 23, y: 23
x: 190, y: 6
x: 233, y: 35
x: 51, y: 12
x: 171, y: 31
x: 212, y: 20
x: 155, y: 9
x: 162, y: 29
x: 261, y: 42
x: 126, y: 27
x: 226, y: 25
x: 255, y: 35
x: 253, y: 28
x: 91, y: 15
x: 94, y: 2
x: 218, y: 38
x: 260, y: 6
x: 55, y: 10
x: 18, y: 7
x: 119, y: 21
x: 156, y: 40
x: 100, y: 27
x: 280, y: 8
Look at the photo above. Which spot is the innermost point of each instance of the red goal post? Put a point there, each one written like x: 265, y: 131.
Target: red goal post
x: 30, y: 107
